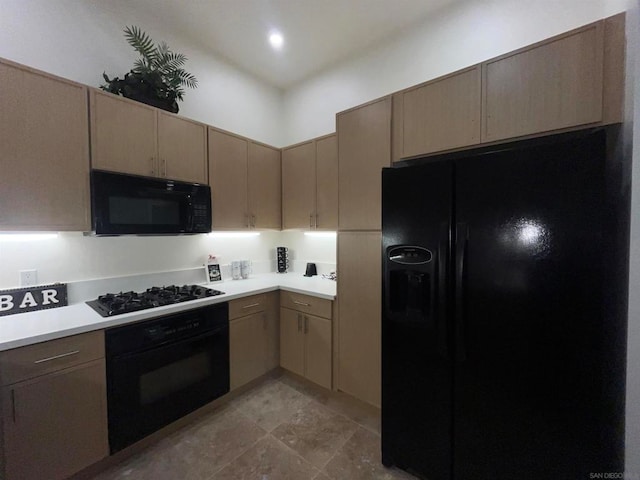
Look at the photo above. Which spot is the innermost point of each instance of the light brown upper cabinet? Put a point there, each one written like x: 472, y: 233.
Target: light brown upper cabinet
x: 438, y: 115
x: 364, y: 148
x: 131, y: 137
x: 245, y: 183
x: 264, y: 183
x: 552, y: 85
x: 44, y: 151
x: 310, y: 185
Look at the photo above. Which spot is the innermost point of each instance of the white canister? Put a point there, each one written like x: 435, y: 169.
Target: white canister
x: 236, y: 267
x: 245, y: 268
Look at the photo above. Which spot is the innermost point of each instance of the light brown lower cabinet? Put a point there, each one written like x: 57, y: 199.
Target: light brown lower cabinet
x: 54, y: 424
x: 305, y: 345
x: 253, y: 337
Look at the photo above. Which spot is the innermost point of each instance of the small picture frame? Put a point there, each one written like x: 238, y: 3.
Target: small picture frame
x: 213, y: 272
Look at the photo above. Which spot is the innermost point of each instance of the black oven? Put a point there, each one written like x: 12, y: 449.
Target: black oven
x: 128, y: 204
x: 159, y: 370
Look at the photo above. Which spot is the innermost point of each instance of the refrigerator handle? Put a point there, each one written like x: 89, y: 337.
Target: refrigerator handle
x: 462, y: 239
x: 442, y: 287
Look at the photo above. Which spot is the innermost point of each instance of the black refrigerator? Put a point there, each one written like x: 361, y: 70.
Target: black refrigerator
x: 504, y: 311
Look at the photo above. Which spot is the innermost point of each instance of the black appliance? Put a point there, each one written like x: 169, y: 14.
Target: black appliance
x: 128, y: 204
x: 162, y: 369
x: 504, y: 311
x: 125, y: 302
x: 282, y: 259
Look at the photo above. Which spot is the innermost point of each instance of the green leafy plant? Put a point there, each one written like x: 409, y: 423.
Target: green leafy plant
x: 157, y: 77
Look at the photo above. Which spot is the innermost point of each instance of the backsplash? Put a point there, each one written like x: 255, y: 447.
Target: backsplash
x: 73, y: 257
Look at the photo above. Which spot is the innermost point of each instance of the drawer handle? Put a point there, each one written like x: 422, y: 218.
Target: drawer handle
x: 55, y: 357
x: 252, y: 305
x: 302, y: 303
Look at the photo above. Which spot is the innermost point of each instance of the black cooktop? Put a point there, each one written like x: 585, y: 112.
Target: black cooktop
x: 126, y: 302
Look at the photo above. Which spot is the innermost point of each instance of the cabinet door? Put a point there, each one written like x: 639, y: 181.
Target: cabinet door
x: 247, y: 342
x: 265, y: 193
x: 292, y: 341
x: 360, y: 297
x: 364, y: 147
x: 44, y: 152
x: 228, y: 180
x: 123, y: 135
x: 298, y: 186
x: 56, y: 425
x: 327, y: 183
x: 272, y: 321
x: 182, y: 149
x: 552, y: 85
x: 318, y: 350
x: 439, y: 115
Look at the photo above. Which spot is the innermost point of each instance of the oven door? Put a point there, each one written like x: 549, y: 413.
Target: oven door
x: 127, y: 204
x: 148, y: 390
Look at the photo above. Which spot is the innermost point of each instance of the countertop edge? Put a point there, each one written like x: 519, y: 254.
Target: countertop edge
x: 36, y: 330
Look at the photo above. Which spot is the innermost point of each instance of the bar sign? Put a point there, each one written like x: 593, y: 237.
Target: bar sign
x: 29, y: 299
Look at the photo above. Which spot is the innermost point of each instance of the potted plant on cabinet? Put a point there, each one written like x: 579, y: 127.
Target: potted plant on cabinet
x: 157, y: 77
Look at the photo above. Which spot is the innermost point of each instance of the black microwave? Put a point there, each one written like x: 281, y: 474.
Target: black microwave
x: 133, y: 205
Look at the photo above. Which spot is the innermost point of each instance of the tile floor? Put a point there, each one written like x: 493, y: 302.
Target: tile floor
x: 281, y: 429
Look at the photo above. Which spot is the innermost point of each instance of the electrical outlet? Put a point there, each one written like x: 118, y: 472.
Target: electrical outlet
x: 28, y: 278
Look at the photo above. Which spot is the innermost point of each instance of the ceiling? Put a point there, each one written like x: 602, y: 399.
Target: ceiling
x: 317, y: 33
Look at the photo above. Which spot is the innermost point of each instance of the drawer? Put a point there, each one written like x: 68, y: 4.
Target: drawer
x: 306, y: 303
x: 247, y: 305
x: 46, y: 357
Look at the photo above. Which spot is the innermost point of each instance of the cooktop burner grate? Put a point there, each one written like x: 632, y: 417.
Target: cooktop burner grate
x: 126, y: 302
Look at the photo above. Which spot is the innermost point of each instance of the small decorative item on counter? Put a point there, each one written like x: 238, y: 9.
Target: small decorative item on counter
x: 213, y: 269
x: 236, y: 269
x: 245, y: 268
x: 282, y: 259
x: 330, y: 276
x: 29, y: 299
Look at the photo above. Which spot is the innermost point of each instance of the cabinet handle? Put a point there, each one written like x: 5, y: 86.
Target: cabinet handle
x: 153, y: 165
x: 302, y: 303
x: 299, y: 322
x: 252, y: 305
x: 13, y: 405
x: 246, y: 219
x: 306, y: 324
x: 163, y: 161
x: 55, y: 357
x: 311, y: 220
x: 316, y: 222
x: 253, y: 221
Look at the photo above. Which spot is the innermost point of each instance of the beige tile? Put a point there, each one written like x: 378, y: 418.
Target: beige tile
x: 270, y: 404
x: 194, y: 453
x: 362, y: 413
x: 359, y: 459
x: 321, y: 476
x: 268, y: 460
x: 315, y: 433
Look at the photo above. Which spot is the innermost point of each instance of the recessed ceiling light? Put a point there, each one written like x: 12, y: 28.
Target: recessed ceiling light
x: 276, y: 40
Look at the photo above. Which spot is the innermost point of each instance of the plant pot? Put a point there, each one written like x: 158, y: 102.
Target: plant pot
x: 162, y: 103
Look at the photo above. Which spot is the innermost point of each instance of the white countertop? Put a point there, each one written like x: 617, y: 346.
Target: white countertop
x: 32, y: 327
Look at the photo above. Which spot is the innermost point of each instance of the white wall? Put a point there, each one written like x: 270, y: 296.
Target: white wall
x: 458, y: 36
x: 633, y: 342
x: 73, y: 257
x: 79, y: 39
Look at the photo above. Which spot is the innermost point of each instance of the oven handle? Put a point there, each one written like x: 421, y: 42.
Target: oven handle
x: 159, y: 346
